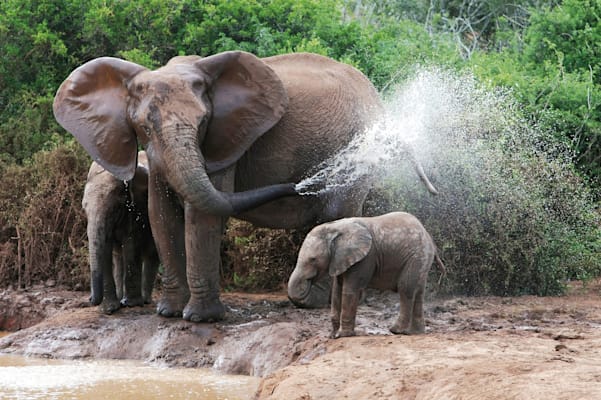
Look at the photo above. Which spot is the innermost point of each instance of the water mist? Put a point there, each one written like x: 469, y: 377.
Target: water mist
x: 510, y: 207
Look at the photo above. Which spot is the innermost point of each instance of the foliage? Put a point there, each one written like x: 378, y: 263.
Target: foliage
x: 503, y: 230
x: 512, y: 216
x: 554, y: 73
x: 258, y: 258
x: 42, y: 40
x: 43, y: 226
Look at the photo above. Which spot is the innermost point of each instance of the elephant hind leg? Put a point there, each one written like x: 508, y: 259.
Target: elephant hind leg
x: 417, y: 320
x: 402, y: 325
x: 411, y: 293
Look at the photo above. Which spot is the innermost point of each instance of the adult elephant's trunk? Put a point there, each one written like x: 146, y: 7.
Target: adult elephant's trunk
x: 186, y: 173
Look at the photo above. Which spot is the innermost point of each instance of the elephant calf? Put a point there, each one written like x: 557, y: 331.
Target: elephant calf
x: 123, y: 257
x: 389, y: 252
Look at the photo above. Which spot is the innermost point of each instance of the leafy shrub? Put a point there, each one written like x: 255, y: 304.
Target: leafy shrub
x: 258, y: 259
x: 512, y: 216
x: 43, y: 235
x: 553, y: 70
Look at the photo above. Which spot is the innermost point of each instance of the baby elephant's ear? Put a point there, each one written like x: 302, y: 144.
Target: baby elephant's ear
x: 350, y: 246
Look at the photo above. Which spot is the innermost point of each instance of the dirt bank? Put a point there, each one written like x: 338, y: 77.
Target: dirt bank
x: 475, y: 348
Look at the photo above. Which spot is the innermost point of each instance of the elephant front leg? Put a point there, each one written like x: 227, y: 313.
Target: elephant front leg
x: 203, y: 245
x: 110, y: 301
x: 132, y: 285
x: 167, y: 223
x: 118, y: 271
x: 150, y: 267
x: 348, y: 313
x: 336, y: 302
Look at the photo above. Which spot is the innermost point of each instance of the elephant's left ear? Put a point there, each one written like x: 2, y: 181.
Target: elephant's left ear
x: 248, y: 100
x: 349, y: 247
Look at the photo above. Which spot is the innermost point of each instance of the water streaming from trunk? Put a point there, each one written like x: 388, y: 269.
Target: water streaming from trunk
x: 421, y: 116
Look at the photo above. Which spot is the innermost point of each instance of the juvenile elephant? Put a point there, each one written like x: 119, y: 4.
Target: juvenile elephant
x: 225, y: 136
x: 389, y: 252
x: 123, y: 257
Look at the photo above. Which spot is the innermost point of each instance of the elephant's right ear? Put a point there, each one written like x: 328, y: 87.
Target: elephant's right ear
x: 92, y: 105
x: 248, y: 99
x: 350, y: 246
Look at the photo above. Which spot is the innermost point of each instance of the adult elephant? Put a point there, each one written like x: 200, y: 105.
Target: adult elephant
x: 223, y: 135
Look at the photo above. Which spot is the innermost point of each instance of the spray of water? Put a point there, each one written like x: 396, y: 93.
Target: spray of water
x: 510, y: 211
x: 420, y: 117
x: 377, y: 147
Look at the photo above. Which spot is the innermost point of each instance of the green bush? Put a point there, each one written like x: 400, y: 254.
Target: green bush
x: 258, y: 259
x: 553, y: 69
x: 512, y: 216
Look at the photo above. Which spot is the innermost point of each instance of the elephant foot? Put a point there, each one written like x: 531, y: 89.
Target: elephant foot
x: 168, y: 308
x: 132, y: 301
x: 110, y: 306
x: 95, y: 300
x: 204, y: 311
x: 335, y: 328
x: 344, y: 333
x: 397, y: 330
x: 172, y: 302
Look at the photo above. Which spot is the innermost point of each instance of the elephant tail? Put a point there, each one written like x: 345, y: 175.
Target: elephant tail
x: 441, y: 267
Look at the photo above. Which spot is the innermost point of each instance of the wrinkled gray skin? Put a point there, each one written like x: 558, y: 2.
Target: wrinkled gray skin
x: 123, y: 257
x: 389, y: 252
x: 225, y: 136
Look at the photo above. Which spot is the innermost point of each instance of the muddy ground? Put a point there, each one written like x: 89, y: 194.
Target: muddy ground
x: 475, y: 348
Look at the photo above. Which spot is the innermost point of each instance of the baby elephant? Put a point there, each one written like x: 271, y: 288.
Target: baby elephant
x: 389, y: 252
x: 123, y: 257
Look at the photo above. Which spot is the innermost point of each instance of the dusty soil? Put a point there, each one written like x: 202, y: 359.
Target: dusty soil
x: 475, y: 348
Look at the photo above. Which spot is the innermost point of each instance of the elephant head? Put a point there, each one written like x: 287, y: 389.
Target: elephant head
x: 194, y: 116
x: 329, y: 249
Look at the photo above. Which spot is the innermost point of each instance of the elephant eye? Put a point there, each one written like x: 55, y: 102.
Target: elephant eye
x: 198, y: 85
x: 146, y: 130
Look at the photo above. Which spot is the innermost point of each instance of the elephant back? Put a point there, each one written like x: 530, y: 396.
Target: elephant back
x: 329, y: 103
